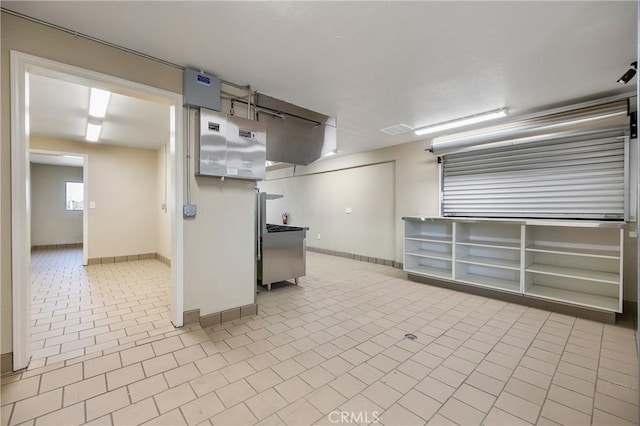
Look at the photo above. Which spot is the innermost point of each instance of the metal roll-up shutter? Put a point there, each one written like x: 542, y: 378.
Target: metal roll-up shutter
x: 572, y: 179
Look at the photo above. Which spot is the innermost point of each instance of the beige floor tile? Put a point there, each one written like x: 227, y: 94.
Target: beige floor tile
x: 181, y: 374
x: 145, y: 388
x: 20, y: 389
x: 262, y: 361
x: 435, y: 389
x: 263, y: 380
x: 61, y: 377
x: 211, y: 363
x: 518, y: 407
x: 563, y: 414
x: 202, y: 408
x: 239, y: 415
x: 174, y: 398
x: 265, y: 404
x: 172, y: 418
x: 208, y: 383
x: 438, y: 420
x: 399, y: 381
x: 400, y: 416
x: 474, y: 397
x: 234, y: 393
x: 69, y: 416
x: 532, y: 377
x: 526, y: 391
x: 83, y: 390
x: 359, y: 409
x: 616, y: 391
x: 601, y: 418
x: 36, y: 406
x: 325, y: 399
x: 124, y: 376
x: 497, y: 417
x: 347, y: 385
x: 159, y: 364
x: 627, y: 380
x: 328, y: 350
x: 190, y: 354
x: 300, y: 412
x: 337, y: 366
x: 316, y: 377
x: 137, y: 413
x: 106, y: 403
x: 575, y: 384
x: 571, y: 399
x: 293, y: 389
x: 461, y: 413
x: 420, y: 404
x: 309, y: 359
x: 615, y: 406
x: 448, y: 376
x: 381, y: 394
x: 165, y: 346
x: 577, y: 371
x: 237, y: 371
x: 137, y: 354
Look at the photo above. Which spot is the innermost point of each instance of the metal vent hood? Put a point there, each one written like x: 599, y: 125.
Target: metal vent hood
x: 295, y: 135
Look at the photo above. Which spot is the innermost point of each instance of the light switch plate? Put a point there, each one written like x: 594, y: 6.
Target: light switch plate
x: 92, y: 204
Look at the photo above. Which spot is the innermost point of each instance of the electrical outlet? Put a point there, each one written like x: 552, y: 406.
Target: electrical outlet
x: 348, y: 210
x: 318, y: 236
x: 189, y: 210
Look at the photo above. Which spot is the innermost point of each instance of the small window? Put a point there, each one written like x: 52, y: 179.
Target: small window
x: 74, y: 196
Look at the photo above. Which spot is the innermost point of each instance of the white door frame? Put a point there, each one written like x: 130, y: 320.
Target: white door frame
x: 85, y: 210
x: 21, y: 64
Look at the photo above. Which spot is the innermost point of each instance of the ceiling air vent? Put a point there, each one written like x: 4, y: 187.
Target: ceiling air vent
x: 397, y: 129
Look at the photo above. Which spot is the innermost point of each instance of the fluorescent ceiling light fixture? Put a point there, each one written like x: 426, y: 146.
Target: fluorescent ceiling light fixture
x: 465, y: 121
x: 93, y: 132
x: 98, y: 102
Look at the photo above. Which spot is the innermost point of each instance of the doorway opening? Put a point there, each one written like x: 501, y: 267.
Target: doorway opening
x: 98, y: 247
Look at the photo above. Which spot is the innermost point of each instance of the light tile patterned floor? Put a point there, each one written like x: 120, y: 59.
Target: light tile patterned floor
x: 78, y: 310
x: 332, y: 349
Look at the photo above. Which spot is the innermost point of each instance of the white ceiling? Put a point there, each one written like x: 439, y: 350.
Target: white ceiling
x: 60, y: 109
x: 376, y: 64
x: 56, y: 160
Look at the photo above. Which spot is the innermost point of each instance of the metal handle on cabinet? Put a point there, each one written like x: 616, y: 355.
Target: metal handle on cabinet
x: 258, y: 228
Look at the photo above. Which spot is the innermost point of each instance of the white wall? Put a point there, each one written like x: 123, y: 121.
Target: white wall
x: 319, y: 201
x: 122, y: 184
x: 51, y: 222
x: 415, y: 184
x: 163, y: 230
x: 219, y: 243
x: 416, y: 193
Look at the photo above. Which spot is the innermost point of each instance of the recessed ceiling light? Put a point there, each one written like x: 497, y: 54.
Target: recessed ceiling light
x: 464, y: 121
x: 93, y: 132
x: 397, y: 129
x: 98, y: 102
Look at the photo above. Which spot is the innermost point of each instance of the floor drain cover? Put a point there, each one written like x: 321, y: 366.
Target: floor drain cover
x: 410, y: 336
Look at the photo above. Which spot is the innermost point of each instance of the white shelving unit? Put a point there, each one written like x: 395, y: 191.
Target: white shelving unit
x: 488, y: 255
x: 428, y: 248
x: 575, y: 265
x: 578, y: 263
